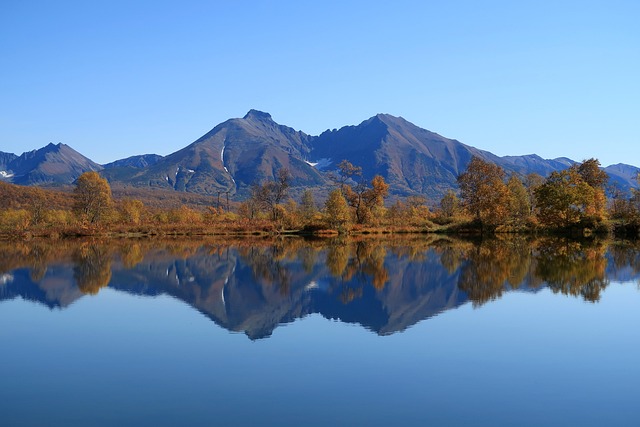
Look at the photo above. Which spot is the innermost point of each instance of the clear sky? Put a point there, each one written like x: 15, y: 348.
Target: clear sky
x: 118, y: 78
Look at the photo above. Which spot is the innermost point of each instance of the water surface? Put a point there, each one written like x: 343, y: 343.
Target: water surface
x: 288, y: 332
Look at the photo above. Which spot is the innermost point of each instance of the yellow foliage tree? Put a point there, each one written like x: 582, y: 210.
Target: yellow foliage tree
x: 484, y: 193
x: 92, y: 197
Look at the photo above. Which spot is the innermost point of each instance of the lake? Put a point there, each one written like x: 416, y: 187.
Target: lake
x: 412, y: 331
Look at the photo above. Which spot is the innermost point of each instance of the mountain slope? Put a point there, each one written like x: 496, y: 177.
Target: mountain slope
x: 411, y: 159
x: 242, y: 151
x: 52, y: 164
x: 141, y: 161
x: 623, y: 176
x: 230, y: 157
x: 5, y: 160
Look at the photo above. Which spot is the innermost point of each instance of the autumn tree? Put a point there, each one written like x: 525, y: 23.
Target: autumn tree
x: 591, y: 173
x: 531, y: 182
x: 307, y: 207
x: 635, y: 196
x: 348, y: 172
x: 411, y: 211
x: 92, y: 197
x: 484, y: 193
x: 450, y: 204
x: 272, y: 193
x: 250, y: 208
x: 131, y: 211
x: 519, y: 208
x: 567, y: 200
x: 38, y: 205
x: 364, y: 199
x: 337, y: 211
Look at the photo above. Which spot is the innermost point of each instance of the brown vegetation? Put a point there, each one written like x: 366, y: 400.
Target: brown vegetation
x: 572, y: 201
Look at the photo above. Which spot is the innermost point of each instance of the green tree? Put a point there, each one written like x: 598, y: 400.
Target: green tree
x: 92, y: 197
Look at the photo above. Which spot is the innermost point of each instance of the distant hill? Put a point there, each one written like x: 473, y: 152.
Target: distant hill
x: 141, y: 161
x: 52, y: 164
x: 5, y: 160
x: 622, y: 176
x: 242, y: 151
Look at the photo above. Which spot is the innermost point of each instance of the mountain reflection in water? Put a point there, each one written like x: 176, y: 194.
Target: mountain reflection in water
x: 253, y: 285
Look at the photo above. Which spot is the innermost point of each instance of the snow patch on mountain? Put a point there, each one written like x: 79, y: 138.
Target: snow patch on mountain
x: 320, y: 163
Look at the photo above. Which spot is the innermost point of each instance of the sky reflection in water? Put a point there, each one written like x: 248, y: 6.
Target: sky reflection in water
x: 124, y: 345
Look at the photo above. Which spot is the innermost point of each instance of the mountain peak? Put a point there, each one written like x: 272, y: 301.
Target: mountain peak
x: 258, y: 115
x: 52, y: 147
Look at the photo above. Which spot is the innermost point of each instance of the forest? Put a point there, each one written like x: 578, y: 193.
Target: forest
x: 574, y: 201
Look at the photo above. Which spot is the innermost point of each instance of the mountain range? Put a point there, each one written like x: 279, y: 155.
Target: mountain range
x: 242, y: 151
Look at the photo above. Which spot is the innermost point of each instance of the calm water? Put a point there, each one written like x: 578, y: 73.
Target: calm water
x: 368, y: 332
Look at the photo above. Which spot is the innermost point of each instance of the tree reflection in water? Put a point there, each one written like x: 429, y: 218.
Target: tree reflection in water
x: 573, y: 268
x: 252, y: 285
x: 493, y: 266
x: 92, y: 270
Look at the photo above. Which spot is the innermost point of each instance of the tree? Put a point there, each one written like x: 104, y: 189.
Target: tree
x: 449, y: 204
x: 484, y: 192
x: 363, y: 199
x: 92, y: 197
x: 271, y: 193
x: 635, y: 201
x: 37, y: 205
x: 337, y: 211
x: 131, y: 211
x: 519, y: 208
x: 250, y: 208
x: 348, y: 172
x: 531, y: 182
x: 308, y: 207
x: 566, y: 200
x: 591, y: 173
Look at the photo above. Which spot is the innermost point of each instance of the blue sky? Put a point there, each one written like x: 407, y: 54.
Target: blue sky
x: 118, y: 78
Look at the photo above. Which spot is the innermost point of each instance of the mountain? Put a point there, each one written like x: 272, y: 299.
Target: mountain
x: 242, y: 151
x: 411, y: 159
x: 231, y: 157
x: 622, y: 176
x: 141, y: 161
x: 5, y: 161
x: 415, y: 161
x: 533, y: 163
x: 52, y: 164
